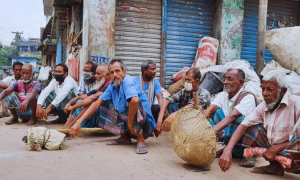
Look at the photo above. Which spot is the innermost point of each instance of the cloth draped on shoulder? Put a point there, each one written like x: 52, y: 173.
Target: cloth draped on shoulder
x: 242, y: 95
x: 150, y: 94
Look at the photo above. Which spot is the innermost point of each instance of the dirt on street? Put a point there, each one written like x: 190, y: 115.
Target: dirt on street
x: 88, y: 157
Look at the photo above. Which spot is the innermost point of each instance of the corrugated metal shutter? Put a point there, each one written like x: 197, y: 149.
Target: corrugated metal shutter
x: 187, y: 22
x: 138, y: 33
x: 278, y: 11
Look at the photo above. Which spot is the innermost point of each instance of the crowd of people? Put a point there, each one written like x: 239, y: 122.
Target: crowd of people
x: 135, y: 108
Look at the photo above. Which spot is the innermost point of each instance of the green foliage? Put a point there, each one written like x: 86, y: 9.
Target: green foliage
x: 6, y: 54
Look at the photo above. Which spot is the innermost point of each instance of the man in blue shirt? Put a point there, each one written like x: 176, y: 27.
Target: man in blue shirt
x: 123, y: 109
x: 151, y: 86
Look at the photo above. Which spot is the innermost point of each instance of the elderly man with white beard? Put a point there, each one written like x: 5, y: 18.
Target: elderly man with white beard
x: 78, y: 109
x: 228, y: 110
x: 21, y: 97
x: 274, y: 125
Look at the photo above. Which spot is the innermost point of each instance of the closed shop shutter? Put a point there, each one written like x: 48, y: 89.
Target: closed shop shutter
x: 280, y: 13
x: 187, y: 22
x: 138, y: 33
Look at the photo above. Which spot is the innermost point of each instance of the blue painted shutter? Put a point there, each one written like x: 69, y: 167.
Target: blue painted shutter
x: 187, y: 22
x: 138, y: 33
x: 278, y: 10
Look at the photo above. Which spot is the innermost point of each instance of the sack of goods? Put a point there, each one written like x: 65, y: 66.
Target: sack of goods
x: 193, y: 138
x: 41, y: 137
x: 206, y: 53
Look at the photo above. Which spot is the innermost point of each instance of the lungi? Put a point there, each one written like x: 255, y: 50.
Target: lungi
x: 256, y: 136
x: 60, y: 107
x: 111, y: 120
x: 91, y: 122
x: 12, y: 101
x: 226, y: 134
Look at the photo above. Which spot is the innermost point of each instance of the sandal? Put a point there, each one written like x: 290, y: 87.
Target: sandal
x: 140, y: 148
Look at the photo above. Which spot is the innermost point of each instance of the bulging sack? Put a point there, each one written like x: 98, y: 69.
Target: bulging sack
x: 206, y: 53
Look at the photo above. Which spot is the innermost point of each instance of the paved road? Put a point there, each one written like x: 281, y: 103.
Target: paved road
x: 87, y: 157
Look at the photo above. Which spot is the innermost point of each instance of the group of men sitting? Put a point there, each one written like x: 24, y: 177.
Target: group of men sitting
x: 109, y: 98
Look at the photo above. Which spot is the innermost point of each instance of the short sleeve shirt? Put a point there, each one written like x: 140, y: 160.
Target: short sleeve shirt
x: 120, y: 96
x: 36, y: 85
x: 157, y: 87
x: 9, y: 80
x: 245, y: 107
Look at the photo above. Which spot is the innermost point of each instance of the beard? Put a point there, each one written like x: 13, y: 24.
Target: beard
x: 272, y: 105
x: 229, y: 89
x: 117, y: 83
x: 99, y: 84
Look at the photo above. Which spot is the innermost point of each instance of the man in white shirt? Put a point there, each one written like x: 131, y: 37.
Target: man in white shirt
x: 272, y: 129
x: 6, y: 82
x: 87, y: 83
x: 228, y: 110
x: 57, y: 94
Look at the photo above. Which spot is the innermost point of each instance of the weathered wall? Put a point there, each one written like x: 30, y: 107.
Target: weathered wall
x: 231, y: 30
x: 98, y: 31
x: 217, y: 17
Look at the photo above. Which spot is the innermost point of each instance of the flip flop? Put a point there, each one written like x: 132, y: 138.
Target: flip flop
x: 141, y: 147
x: 118, y: 142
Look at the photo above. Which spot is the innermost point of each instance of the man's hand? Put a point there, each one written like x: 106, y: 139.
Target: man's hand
x: 225, y: 160
x: 74, y: 130
x: 270, y: 154
x: 71, y: 109
x: 157, y: 131
x: 66, y: 108
x: 132, y: 132
x: 47, y: 111
x: 23, y: 106
x: 39, y: 112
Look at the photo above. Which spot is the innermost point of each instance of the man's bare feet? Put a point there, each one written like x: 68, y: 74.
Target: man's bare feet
x: 122, y: 140
x: 167, y: 124
x: 31, y: 122
x: 13, y: 120
x: 274, y: 168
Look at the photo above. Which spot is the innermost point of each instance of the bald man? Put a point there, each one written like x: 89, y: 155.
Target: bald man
x: 103, y: 80
x: 21, y: 97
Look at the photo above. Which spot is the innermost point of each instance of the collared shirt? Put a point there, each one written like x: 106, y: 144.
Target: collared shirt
x: 184, y: 98
x: 61, y: 91
x: 128, y: 89
x: 23, y: 93
x: 84, y: 87
x: 245, y: 107
x: 279, y: 123
x: 10, y: 80
x: 157, y: 87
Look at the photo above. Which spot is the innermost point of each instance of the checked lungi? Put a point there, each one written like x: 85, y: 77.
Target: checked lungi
x: 256, y: 136
x: 172, y: 107
x: 12, y: 101
x: 226, y: 134
x: 60, y: 107
x: 91, y: 122
x: 114, y: 122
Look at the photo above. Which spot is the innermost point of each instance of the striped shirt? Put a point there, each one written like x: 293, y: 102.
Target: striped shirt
x: 85, y: 88
x: 280, y: 123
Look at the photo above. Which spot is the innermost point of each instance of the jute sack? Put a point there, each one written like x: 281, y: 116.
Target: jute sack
x: 193, y: 138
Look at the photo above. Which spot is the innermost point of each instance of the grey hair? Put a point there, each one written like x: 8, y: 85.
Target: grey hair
x: 279, y: 76
x: 241, y: 73
x: 27, y: 66
x: 113, y: 61
x: 145, y: 65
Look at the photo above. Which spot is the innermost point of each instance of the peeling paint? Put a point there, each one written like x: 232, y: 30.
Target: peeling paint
x: 129, y: 8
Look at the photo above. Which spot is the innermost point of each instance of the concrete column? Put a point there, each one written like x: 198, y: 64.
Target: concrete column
x: 261, y: 36
x: 98, y: 31
x: 229, y: 29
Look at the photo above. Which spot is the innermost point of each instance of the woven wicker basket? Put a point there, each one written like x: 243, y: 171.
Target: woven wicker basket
x: 192, y: 137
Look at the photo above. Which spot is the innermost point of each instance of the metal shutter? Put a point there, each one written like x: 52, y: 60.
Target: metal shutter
x: 187, y: 22
x: 285, y: 11
x: 138, y: 33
